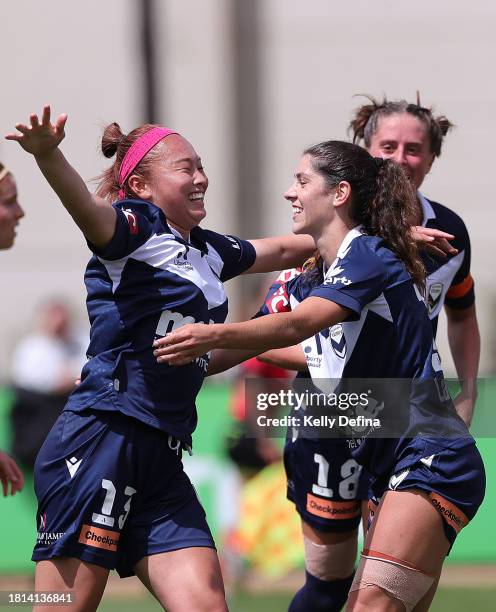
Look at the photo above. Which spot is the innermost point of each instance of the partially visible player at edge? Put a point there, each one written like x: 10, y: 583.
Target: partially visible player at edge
x: 10, y: 214
x: 109, y: 478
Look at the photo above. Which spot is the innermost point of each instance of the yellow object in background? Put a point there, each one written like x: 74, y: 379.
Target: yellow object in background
x: 268, y: 536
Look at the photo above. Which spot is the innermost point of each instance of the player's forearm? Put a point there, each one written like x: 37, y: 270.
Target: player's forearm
x: 225, y: 359
x: 295, y: 250
x: 291, y: 358
x: 277, y: 330
x: 95, y: 219
x: 281, y: 252
x: 464, y: 342
x: 260, y: 334
x: 272, y: 331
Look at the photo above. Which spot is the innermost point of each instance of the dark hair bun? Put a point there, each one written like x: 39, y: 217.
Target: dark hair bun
x: 111, y: 139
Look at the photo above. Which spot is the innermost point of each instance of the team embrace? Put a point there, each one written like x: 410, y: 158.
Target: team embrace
x: 369, y: 266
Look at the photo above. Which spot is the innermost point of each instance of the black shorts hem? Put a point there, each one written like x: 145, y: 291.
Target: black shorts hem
x: 125, y: 568
x: 327, y: 525
x: 82, y: 555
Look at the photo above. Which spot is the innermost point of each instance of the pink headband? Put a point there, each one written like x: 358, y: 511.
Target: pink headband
x: 137, y: 151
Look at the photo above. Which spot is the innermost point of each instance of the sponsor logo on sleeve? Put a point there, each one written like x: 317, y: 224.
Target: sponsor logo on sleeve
x: 99, y: 538
x: 279, y: 301
x: 287, y: 275
x: 332, y: 278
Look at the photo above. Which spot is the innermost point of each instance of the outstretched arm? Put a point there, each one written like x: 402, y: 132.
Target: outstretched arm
x: 464, y: 341
x: 261, y: 334
x: 93, y: 215
x: 281, y: 252
x: 290, y: 251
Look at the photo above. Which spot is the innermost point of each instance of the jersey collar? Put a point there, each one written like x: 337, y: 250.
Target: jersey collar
x: 427, y: 210
x: 178, y: 235
x: 195, y: 239
x: 343, y: 248
x: 350, y: 236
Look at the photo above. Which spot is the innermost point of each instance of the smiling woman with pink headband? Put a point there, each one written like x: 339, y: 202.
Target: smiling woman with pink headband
x: 109, y: 479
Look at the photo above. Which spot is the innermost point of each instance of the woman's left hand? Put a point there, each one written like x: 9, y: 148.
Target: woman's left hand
x: 184, y: 345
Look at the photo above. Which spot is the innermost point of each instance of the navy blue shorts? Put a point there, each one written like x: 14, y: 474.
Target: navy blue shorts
x: 454, y: 480
x: 323, y: 482
x: 364, y: 484
x: 112, y: 490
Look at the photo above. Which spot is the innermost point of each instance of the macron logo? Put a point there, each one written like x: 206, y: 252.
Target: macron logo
x: 234, y: 242
x: 73, y: 465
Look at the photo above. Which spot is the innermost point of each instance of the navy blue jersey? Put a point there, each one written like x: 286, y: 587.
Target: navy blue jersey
x: 389, y: 315
x: 145, y: 283
x: 448, y: 279
x: 388, y: 336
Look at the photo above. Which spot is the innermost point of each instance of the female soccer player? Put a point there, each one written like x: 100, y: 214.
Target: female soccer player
x: 412, y: 136
x: 111, y: 489
x: 10, y: 215
x: 364, y: 296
